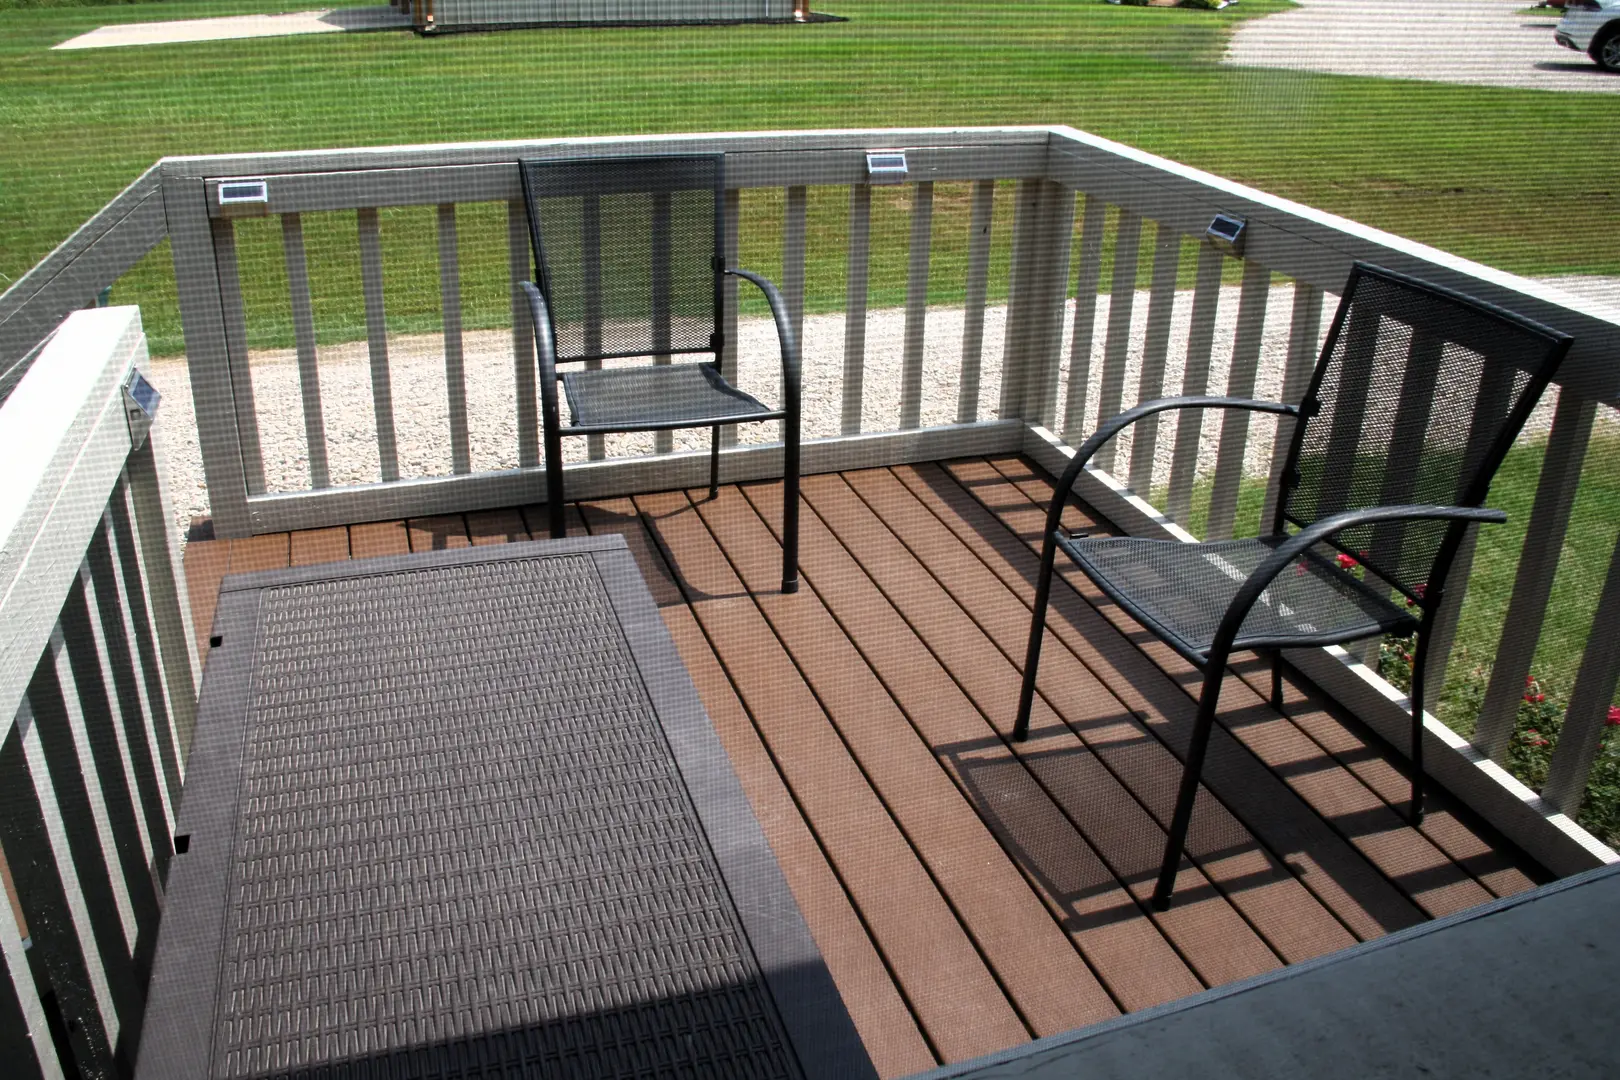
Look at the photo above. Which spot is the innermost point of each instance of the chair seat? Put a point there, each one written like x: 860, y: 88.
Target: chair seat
x: 661, y: 394
x: 1181, y: 591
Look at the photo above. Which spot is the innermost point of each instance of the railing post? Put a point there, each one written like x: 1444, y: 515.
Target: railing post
x: 1586, y: 717
x: 202, y: 317
x: 1538, y: 564
x: 860, y: 255
x: 1039, y: 273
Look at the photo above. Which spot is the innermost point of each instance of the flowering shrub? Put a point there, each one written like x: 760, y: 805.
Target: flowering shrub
x: 1536, y: 729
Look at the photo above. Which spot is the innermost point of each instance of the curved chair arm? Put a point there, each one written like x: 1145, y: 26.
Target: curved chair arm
x: 544, y: 346
x: 1106, y: 431
x: 1286, y: 552
x: 784, y: 335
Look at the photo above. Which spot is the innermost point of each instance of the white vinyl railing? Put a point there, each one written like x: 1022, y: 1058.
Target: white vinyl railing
x: 1086, y: 221
x: 97, y: 694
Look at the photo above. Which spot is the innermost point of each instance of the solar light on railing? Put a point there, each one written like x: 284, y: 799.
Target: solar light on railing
x: 886, y: 167
x: 141, y: 400
x: 1227, y: 234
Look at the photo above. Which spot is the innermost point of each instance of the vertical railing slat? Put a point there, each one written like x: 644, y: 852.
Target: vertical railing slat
x: 860, y: 253
x: 118, y: 722
x: 1538, y: 565
x: 731, y: 211
x: 1161, y: 305
x: 13, y: 931
x: 1223, y: 496
x: 1022, y: 286
x: 303, y: 316
x: 662, y: 291
x: 455, y: 372
x: 1116, y: 349
x: 590, y: 257
x: 1195, y: 381
x: 978, y: 282
x: 1085, y: 318
x: 145, y: 526
x: 523, y: 363
x: 1586, y: 718
x: 1044, y: 361
x: 159, y: 744
x: 236, y: 347
x: 382, y: 395
x: 84, y: 761
x: 793, y: 233
x: 1303, y: 334
x: 911, y: 357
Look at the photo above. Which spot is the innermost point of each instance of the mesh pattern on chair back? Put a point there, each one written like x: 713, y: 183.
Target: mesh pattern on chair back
x: 627, y: 251
x: 1419, y: 394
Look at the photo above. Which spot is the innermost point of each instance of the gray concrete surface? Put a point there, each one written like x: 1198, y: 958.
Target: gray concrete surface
x: 283, y: 24
x: 1476, y: 42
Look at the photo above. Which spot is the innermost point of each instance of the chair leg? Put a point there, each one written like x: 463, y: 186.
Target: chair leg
x: 555, y: 510
x: 1208, y: 700
x: 714, y: 461
x: 790, y: 502
x: 1037, y: 631
x: 1419, y: 656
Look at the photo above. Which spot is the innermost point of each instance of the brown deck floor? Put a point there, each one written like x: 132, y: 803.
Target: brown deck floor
x: 969, y: 892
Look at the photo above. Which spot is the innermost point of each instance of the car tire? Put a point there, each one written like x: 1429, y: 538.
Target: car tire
x: 1605, y: 51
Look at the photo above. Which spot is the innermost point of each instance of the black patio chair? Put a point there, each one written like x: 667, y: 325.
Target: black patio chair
x: 629, y: 257
x: 1417, y: 397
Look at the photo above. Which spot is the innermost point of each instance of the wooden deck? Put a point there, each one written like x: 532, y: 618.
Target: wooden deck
x: 970, y: 893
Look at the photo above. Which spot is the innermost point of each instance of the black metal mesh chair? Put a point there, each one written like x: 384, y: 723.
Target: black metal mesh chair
x: 1417, y: 397
x: 629, y: 257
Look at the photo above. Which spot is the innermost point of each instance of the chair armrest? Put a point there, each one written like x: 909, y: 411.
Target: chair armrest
x: 1290, y: 549
x: 1116, y: 424
x: 784, y: 335
x: 545, y: 349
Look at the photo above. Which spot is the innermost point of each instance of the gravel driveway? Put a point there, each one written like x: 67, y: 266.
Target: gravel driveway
x: 1477, y: 42
x: 416, y: 366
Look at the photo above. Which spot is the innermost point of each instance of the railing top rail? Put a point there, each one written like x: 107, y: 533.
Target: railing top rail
x: 483, y: 153
x: 64, y: 438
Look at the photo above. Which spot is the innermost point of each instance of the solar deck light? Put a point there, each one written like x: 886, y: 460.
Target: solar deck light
x: 243, y: 197
x: 886, y: 166
x: 1226, y: 233
x: 140, y: 406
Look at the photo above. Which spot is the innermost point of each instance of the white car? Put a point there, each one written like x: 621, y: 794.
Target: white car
x: 1592, y: 27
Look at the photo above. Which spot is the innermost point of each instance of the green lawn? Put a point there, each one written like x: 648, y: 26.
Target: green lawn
x: 1471, y: 170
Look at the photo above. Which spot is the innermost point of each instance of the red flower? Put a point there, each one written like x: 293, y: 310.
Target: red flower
x: 1540, y: 742
x: 1532, y: 731
x: 1539, y: 698
x: 1614, y: 716
x: 1345, y: 561
x: 1422, y: 590
x: 1529, y: 680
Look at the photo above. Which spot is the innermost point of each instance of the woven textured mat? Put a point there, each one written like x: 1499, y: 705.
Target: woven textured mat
x: 463, y: 847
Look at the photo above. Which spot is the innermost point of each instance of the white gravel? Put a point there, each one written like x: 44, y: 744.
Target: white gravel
x: 422, y: 424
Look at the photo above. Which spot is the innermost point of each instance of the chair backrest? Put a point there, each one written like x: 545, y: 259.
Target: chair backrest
x: 1417, y: 397
x: 628, y: 252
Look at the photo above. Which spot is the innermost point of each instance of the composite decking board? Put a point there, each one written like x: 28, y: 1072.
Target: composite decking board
x: 880, y: 1014
x: 959, y: 1005
x: 985, y: 510
x: 1209, y: 934
x: 1402, y: 854
x: 310, y: 546
x: 496, y: 526
x: 268, y: 552
x: 1029, y: 953
x: 204, y: 563
x: 1490, y: 861
x: 1113, y: 932
x: 378, y: 538
x: 440, y: 533
x: 1257, y: 884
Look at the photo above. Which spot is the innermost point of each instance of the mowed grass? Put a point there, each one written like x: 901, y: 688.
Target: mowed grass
x: 1519, y: 179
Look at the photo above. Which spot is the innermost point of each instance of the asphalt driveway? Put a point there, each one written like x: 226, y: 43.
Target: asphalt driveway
x: 1479, y: 42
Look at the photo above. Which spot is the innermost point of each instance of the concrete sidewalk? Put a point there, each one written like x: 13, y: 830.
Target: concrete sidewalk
x: 328, y: 21
x: 1474, y: 42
